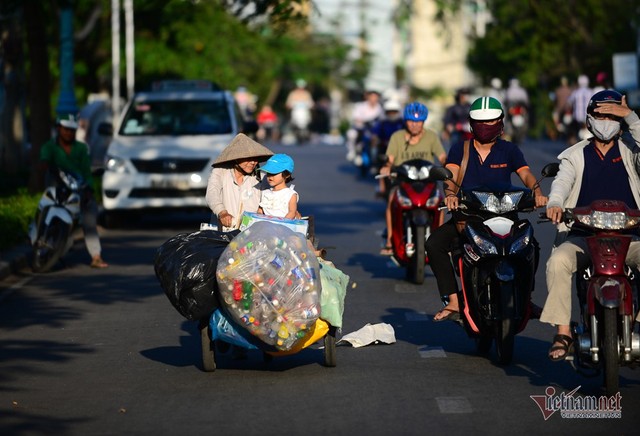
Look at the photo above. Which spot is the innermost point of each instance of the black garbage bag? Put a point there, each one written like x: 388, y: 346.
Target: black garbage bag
x: 185, y: 266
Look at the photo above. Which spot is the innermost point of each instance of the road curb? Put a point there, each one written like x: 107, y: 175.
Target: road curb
x: 13, y: 260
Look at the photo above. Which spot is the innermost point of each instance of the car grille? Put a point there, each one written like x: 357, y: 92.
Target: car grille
x: 167, y: 193
x: 170, y: 166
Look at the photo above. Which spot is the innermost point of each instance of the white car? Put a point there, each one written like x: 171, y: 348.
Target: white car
x: 165, y: 144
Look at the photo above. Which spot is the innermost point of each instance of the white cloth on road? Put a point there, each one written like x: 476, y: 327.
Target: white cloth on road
x: 370, y: 333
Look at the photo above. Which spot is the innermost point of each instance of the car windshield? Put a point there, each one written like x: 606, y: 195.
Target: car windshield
x: 177, y: 117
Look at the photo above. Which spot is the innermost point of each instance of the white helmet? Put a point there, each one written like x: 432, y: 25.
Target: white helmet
x: 392, y: 106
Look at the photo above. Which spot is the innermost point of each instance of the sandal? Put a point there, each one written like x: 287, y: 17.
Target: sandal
x: 452, y: 315
x: 387, y: 250
x: 566, y: 346
x: 98, y: 263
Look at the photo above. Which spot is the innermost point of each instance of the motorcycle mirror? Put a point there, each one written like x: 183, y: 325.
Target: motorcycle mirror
x: 550, y: 170
x: 440, y: 173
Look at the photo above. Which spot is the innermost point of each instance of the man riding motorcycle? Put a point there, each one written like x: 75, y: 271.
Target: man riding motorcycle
x: 64, y: 152
x: 364, y: 114
x: 489, y: 159
x: 413, y: 142
x: 598, y: 168
x: 381, y: 134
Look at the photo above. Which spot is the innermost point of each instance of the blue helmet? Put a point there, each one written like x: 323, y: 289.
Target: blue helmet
x: 415, y: 112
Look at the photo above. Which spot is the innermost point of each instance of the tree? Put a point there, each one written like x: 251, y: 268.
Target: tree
x: 261, y: 44
x: 540, y: 41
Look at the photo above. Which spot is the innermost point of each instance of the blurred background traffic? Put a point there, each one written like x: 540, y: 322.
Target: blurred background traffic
x: 91, y: 56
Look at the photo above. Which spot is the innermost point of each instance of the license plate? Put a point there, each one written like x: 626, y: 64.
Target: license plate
x: 171, y: 183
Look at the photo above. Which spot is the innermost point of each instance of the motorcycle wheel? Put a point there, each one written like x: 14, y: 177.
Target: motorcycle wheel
x: 506, y: 327
x: 415, y: 272
x: 611, y: 350
x: 208, y: 348
x: 50, y: 247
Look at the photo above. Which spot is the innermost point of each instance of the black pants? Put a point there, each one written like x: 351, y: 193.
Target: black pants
x: 439, y: 245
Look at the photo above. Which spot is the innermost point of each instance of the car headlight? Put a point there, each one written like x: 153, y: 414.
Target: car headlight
x: 115, y: 164
x: 485, y: 246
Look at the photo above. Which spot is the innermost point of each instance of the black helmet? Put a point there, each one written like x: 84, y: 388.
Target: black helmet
x: 606, y: 96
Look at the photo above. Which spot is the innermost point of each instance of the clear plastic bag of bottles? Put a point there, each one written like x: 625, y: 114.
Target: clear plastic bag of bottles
x: 269, y: 283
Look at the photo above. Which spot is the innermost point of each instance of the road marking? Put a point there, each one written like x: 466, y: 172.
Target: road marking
x: 416, y: 316
x: 454, y: 405
x: 427, y: 352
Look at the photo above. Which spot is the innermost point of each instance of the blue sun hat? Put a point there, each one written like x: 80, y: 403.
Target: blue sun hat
x: 277, y: 164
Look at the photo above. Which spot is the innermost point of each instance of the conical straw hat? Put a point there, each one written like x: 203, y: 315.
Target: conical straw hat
x: 242, y: 147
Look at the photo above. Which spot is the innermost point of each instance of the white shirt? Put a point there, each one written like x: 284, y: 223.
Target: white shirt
x: 276, y: 203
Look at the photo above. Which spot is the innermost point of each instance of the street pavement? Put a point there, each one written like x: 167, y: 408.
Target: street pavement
x: 86, y: 352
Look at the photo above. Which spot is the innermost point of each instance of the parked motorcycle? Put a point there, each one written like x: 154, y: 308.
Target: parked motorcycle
x: 496, y: 261
x: 58, y: 213
x: 415, y: 213
x: 607, y: 291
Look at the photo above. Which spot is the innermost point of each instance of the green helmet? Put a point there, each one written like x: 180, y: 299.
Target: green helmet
x: 486, y: 109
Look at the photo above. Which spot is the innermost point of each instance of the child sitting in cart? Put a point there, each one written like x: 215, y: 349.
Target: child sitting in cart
x: 281, y: 200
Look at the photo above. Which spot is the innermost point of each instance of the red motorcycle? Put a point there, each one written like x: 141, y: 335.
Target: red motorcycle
x: 414, y: 213
x: 607, y: 291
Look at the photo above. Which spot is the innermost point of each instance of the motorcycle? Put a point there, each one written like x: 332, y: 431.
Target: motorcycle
x: 415, y: 213
x: 496, y: 260
x: 364, y: 155
x: 58, y: 213
x: 300, y: 120
x: 517, y: 122
x: 607, y: 292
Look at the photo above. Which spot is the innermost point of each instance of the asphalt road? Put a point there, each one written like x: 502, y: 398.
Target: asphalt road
x: 103, y: 352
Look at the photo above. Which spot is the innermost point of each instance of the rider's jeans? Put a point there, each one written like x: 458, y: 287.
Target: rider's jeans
x: 561, y: 266
x: 90, y: 227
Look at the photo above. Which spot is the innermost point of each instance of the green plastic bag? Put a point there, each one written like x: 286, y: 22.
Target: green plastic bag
x: 334, y: 289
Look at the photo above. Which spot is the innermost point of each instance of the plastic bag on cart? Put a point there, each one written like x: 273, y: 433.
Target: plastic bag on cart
x: 269, y: 283
x: 334, y: 290
x: 222, y: 329
x: 185, y: 265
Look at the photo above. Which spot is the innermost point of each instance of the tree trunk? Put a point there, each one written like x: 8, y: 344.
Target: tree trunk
x: 39, y: 89
x: 12, y: 129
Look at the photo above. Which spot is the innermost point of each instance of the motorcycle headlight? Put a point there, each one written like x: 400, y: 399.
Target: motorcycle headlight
x: 520, y: 243
x: 115, y: 164
x: 435, y: 199
x: 485, y: 246
x: 490, y: 202
x: 607, y: 220
x: 71, y: 182
x: 417, y: 173
x: 403, y: 200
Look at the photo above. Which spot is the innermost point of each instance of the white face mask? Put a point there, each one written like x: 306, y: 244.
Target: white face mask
x: 604, y: 130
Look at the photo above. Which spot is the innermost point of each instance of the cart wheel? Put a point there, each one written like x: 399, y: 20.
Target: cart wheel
x: 208, y: 348
x: 330, y: 347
